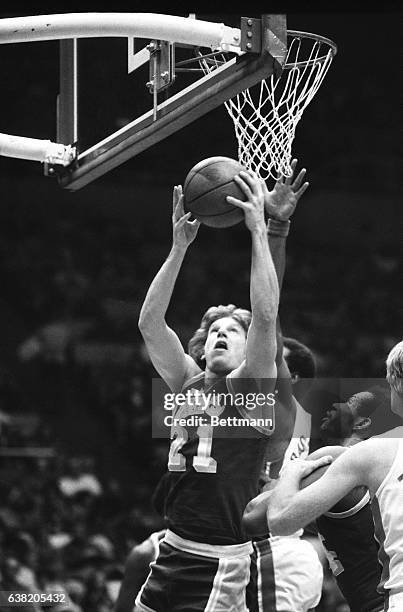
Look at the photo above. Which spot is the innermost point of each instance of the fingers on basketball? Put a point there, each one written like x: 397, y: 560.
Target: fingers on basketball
x: 182, y: 219
x: 322, y: 461
x: 236, y: 202
x: 250, y: 184
x: 212, y: 194
x: 179, y: 209
x: 244, y: 182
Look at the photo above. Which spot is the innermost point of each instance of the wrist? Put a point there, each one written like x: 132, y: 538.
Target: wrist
x: 259, y: 228
x: 290, y: 473
x: 178, y: 249
x: 275, y: 227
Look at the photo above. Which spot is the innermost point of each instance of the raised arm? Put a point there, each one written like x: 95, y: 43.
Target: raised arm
x: 164, y: 347
x: 264, y: 292
x: 280, y: 205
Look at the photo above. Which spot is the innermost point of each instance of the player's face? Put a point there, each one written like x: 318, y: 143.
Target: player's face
x: 338, y: 421
x: 225, y: 345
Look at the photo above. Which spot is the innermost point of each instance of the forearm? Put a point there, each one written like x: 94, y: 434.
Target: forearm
x: 277, y: 232
x: 160, y: 291
x: 264, y: 286
x: 291, y: 508
x: 281, y: 498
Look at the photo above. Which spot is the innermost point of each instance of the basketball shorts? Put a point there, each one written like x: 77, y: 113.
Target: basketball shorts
x: 286, y: 575
x: 191, y: 576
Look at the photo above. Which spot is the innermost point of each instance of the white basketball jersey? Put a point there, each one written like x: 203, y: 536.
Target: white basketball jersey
x: 387, y: 508
x: 299, y: 443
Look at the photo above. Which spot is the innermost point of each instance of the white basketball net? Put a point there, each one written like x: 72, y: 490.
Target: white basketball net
x: 265, y: 116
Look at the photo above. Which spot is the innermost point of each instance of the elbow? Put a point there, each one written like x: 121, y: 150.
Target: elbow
x: 248, y: 524
x: 254, y: 522
x: 145, y: 322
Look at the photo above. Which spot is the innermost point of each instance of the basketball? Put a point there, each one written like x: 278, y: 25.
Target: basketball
x: 313, y: 476
x: 206, y: 187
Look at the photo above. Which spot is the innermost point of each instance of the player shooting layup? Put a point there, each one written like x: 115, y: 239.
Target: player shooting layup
x: 203, y: 564
x: 282, y: 201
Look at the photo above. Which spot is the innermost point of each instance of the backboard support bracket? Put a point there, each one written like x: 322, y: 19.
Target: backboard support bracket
x: 162, y: 65
x: 67, y: 100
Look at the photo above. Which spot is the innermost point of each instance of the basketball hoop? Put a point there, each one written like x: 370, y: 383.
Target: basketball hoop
x: 265, y: 116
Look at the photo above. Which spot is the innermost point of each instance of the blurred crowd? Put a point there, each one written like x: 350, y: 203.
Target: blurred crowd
x: 65, y: 530
x: 68, y: 515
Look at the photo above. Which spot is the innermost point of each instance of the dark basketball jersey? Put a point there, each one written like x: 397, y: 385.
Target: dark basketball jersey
x: 352, y: 551
x: 214, y: 471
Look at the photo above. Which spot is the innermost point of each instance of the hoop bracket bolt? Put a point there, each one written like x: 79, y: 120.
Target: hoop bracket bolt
x: 162, y: 65
x: 251, y: 34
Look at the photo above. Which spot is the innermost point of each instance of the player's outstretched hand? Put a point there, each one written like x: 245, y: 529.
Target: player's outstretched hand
x: 183, y: 230
x: 280, y: 203
x: 253, y: 206
x: 300, y: 468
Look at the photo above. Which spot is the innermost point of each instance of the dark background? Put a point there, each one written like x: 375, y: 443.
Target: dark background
x: 75, y: 266
x: 348, y: 139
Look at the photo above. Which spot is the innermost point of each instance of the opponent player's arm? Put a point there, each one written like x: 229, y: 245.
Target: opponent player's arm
x: 264, y: 291
x: 280, y: 205
x: 164, y: 347
x: 348, y: 501
x: 290, y: 509
x: 254, y: 518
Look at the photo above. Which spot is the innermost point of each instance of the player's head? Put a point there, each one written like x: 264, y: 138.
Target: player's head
x: 220, y: 341
x: 300, y: 360
x: 394, y: 376
x: 352, y: 417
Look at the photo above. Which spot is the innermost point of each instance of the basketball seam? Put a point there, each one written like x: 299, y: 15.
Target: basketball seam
x: 212, y: 163
x: 205, y: 193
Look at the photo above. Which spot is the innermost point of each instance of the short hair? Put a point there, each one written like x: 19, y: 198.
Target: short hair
x: 363, y: 403
x: 301, y: 360
x: 198, y: 340
x: 394, y: 368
